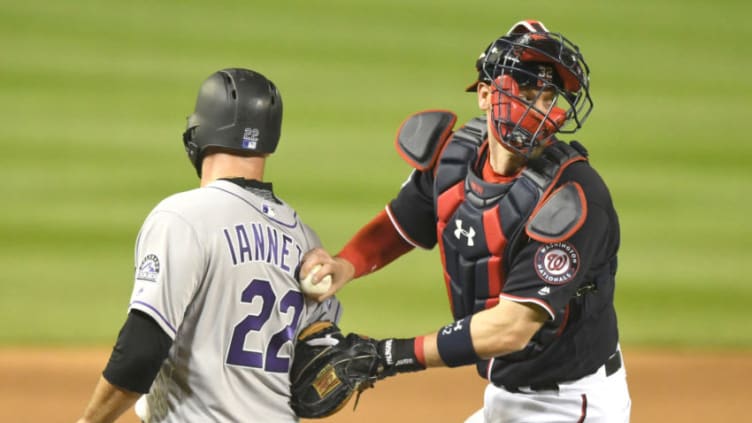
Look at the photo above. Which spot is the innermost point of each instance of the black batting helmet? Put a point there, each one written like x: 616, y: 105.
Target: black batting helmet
x: 237, y: 110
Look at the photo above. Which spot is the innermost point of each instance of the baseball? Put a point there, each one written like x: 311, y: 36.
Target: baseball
x: 142, y: 409
x: 309, y: 287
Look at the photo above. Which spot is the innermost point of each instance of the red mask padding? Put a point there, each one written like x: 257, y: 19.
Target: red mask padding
x: 511, y: 112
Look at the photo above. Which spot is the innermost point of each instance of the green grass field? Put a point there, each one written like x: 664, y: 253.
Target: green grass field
x: 94, y: 95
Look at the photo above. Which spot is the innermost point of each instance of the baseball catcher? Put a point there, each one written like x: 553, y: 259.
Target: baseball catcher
x: 528, y: 237
x: 330, y: 367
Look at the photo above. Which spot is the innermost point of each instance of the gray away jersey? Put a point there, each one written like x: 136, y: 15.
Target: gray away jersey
x: 215, y: 268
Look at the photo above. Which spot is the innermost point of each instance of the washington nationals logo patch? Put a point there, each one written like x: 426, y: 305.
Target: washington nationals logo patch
x: 148, y: 270
x: 557, y: 263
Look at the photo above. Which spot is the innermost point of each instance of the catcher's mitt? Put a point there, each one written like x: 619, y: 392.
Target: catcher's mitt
x: 328, y: 368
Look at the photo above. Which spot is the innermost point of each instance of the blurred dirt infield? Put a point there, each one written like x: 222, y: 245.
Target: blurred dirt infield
x: 53, y: 385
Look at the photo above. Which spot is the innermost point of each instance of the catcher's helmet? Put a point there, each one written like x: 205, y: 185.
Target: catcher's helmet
x: 236, y: 109
x: 531, y: 56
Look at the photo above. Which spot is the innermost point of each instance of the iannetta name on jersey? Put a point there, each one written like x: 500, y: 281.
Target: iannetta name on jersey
x: 259, y: 242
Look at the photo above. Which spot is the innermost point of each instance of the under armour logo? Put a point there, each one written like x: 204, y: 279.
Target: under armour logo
x: 470, y: 233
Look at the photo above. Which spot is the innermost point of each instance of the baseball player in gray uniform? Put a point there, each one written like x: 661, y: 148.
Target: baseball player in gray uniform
x: 216, y: 304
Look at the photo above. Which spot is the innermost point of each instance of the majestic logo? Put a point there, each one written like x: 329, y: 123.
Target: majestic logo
x: 544, y: 291
x: 460, y: 231
x: 250, y: 138
x: 148, y: 270
x: 557, y: 263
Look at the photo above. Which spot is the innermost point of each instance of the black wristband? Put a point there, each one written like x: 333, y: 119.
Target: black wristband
x: 398, y: 356
x: 455, y: 344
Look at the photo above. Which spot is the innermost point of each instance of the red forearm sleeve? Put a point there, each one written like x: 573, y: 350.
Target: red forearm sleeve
x: 374, y: 246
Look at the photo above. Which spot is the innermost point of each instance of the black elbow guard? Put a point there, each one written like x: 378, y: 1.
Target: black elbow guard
x: 138, y: 354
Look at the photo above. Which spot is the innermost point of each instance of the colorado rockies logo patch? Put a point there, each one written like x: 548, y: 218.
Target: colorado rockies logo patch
x: 148, y: 270
x: 557, y: 263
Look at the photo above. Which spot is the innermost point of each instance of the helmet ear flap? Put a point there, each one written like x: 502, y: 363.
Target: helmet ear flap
x: 190, y: 144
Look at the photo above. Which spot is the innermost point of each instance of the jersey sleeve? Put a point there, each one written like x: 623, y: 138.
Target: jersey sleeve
x: 310, y: 235
x: 329, y: 310
x: 169, y: 267
x: 412, y: 212
x: 549, y: 274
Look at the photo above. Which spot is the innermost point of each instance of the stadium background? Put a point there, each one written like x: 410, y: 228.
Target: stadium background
x: 94, y: 96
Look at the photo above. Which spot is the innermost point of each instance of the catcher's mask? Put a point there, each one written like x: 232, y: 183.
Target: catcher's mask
x: 238, y: 110
x: 531, y: 57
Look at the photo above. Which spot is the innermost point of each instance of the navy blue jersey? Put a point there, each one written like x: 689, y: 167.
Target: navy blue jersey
x: 489, y: 252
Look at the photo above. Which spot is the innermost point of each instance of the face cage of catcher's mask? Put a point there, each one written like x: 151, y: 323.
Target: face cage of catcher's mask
x: 513, y: 134
x: 579, y: 102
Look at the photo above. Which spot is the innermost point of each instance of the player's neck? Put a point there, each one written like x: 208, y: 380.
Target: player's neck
x: 503, y: 162
x: 221, y: 165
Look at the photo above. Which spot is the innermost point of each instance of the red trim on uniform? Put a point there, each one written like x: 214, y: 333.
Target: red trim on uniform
x: 492, y: 302
x: 561, y: 170
x: 374, y: 246
x: 583, y: 201
x: 495, y: 242
x: 583, y: 414
x: 495, y: 239
x: 495, y: 276
x: 441, y: 152
x: 447, y: 203
x: 444, y: 137
x: 400, y: 230
x: 420, y: 353
x: 449, y: 200
x: 439, y: 230
x: 489, y: 175
x: 544, y: 305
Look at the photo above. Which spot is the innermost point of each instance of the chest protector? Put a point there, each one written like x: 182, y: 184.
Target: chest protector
x: 481, y: 225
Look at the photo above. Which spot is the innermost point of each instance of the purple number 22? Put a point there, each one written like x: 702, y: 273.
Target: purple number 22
x: 238, y: 355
